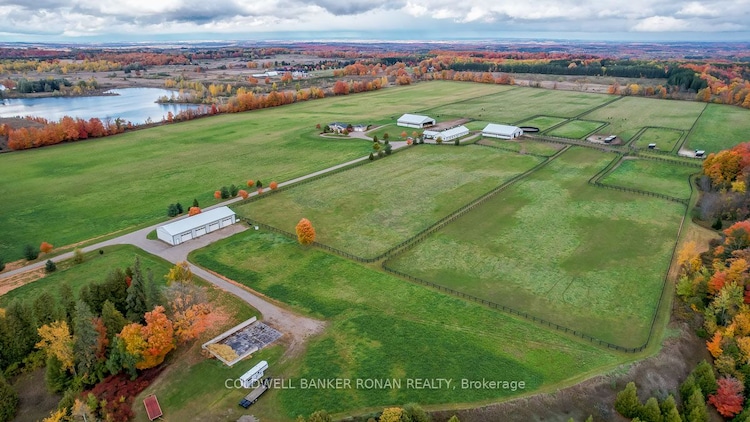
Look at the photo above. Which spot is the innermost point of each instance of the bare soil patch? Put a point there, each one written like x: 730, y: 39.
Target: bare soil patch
x: 448, y: 124
x: 599, y: 139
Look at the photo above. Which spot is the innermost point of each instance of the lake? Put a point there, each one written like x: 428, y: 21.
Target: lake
x: 131, y: 104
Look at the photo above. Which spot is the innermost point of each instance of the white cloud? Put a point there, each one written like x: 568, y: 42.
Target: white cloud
x: 698, y: 9
x: 661, y: 24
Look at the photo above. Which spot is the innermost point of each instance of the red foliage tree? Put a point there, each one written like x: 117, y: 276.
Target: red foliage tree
x: 728, y: 398
x: 45, y: 247
x: 340, y: 88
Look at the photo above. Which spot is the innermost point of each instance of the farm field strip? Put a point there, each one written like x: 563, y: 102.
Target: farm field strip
x: 665, y: 139
x: 371, y: 312
x: 576, y: 129
x: 545, y: 238
x: 719, y: 127
x: 340, y: 206
x: 652, y: 176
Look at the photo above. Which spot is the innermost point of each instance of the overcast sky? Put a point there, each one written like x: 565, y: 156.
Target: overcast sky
x: 142, y: 20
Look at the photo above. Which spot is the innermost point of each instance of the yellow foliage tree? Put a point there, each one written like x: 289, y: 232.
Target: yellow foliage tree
x: 180, y: 273
x: 743, y: 343
x: 391, y: 414
x: 57, y: 416
x: 57, y: 341
x: 305, y: 232
x: 739, y: 186
x: 689, y: 258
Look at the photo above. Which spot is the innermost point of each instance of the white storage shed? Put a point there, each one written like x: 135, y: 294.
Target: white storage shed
x: 188, y: 228
x: 494, y: 130
x: 448, y: 134
x: 415, y: 120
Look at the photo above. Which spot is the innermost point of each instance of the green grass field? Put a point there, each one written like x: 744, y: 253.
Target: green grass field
x: 382, y: 327
x: 628, y: 115
x: 371, y: 208
x: 576, y: 129
x: 720, y: 127
x: 542, y: 122
x: 665, y: 139
x: 519, y: 104
x: 546, y: 149
x: 558, y: 248
x: 72, y: 192
x: 653, y: 176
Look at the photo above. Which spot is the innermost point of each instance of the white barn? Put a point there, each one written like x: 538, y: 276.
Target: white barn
x: 415, y: 120
x: 493, y: 130
x: 448, y: 134
x: 197, y: 225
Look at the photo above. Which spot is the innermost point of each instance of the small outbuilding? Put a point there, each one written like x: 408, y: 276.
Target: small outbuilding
x: 494, y: 130
x: 197, y: 225
x: 448, y: 134
x: 415, y: 120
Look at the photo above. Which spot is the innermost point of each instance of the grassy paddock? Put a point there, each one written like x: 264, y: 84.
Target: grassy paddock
x: 720, y: 127
x: 558, y: 248
x: 547, y: 149
x: 382, y: 327
x: 542, y: 122
x: 576, y: 129
x: 73, y: 192
x: 371, y: 208
x: 665, y: 139
x: 630, y: 114
x: 520, y: 104
x: 653, y: 176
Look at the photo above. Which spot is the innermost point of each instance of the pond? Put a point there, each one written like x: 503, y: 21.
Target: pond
x: 135, y: 105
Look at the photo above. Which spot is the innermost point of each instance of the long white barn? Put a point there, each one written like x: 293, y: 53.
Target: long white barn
x: 415, y: 120
x: 448, y: 134
x: 493, y: 130
x: 188, y: 228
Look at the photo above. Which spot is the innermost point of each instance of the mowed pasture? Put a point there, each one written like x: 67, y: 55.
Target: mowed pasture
x: 371, y: 208
x: 652, y: 176
x: 720, y: 127
x: 542, y: 122
x: 523, y: 146
x: 519, y: 104
x: 629, y: 115
x: 576, y: 129
x: 665, y: 139
x: 556, y: 247
x: 381, y: 327
x: 73, y: 192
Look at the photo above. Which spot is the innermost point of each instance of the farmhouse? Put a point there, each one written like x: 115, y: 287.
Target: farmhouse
x: 493, y: 130
x: 448, y: 134
x: 188, y: 228
x: 415, y: 120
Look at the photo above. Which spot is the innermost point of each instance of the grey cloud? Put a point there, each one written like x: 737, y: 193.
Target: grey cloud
x: 345, y: 8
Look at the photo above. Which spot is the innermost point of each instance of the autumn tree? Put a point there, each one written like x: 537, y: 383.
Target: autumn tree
x: 149, y: 343
x: 391, y: 414
x: 243, y: 193
x: 273, y: 185
x: 305, y: 232
x: 217, y: 194
x: 56, y: 340
x: 250, y: 183
x: 45, y: 247
x: 194, y: 211
x: 728, y: 399
x: 180, y: 273
x: 189, y: 309
x: 689, y: 258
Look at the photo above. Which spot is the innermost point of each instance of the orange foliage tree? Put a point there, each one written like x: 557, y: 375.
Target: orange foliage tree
x: 714, y: 345
x: 217, y: 194
x: 243, y: 193
x: 194, y: 211
x: 305, y: 232
x: 45, y: 247
x: 273, y: 185
x: 250, y: 183
x: 149, y: 343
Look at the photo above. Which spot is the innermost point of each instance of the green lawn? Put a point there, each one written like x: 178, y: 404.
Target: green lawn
x: 369, y: 209
x: 665, y: 139
x: 556, y: 247
x: 628, y: 115
x: 72, y: 192
x: 720, y: 127
x: 526, y: 145
x: 576, y: 129
x: 653, y: 176
x: 382, y: 327
x: 542, y: 122
x: 519, y: 104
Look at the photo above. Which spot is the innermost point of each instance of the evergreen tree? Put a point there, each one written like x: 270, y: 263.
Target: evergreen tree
x: 135, y: 302
x: 705, y: 378
x: 86, y: 338
x: 650, y: 412
x: 695, y: 407
x: 627, y: 403
x: 180, y: 210
x: 30, y: 252
x: 45, y: 309
x: 414, y: 413
x: 172, y: 210
x: 667, y: 405
x: 224, y: 192
x: 113, y: 320
x: 233, y: 190
x: 22, y: 334
x: 8, y: 401
x: 2, y: 263
x: 687, y: 387
x: 120, y: 359
x: 673, y: 416
x: 68, y: 302
x: 195, y: 203
x: 116, y: 286
x: 50, y: 267
x: 454, y: 418
x: 56, y: 378
x: 154, y: 295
